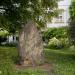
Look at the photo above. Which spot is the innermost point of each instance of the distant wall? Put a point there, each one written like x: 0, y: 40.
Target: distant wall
x: 51, y: 25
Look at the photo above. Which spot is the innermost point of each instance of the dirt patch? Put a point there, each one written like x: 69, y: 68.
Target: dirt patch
x: 44, y: 67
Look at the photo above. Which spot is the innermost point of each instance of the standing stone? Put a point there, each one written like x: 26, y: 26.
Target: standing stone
x: 30, y: 45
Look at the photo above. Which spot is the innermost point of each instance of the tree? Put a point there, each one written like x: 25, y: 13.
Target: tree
x: 72, y: 22
x: 3, y: 35
x: 27, y: 16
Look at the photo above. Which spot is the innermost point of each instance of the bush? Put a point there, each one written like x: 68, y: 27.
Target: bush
x: 54, y: 43
x: 58, y: 43
x: 65, y: 42
x: 2, y: 39
x: 54, y: 32
x: 3, y: 35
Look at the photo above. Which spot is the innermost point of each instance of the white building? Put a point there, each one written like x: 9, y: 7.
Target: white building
x: 11, y: 39
x: 62, y: 19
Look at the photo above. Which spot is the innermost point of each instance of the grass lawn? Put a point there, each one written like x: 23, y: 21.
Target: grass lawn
x: 63, y: 62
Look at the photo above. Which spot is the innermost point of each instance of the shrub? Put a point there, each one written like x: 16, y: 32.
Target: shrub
x: 2, y: 39
x: 54, y: 43
x: 65, y: 42
x: 3, y: 35
x: 54, y: 32
x: 58, y: 43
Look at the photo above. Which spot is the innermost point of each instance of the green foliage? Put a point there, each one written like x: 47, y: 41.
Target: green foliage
x: 55, y: 32
x: 72, y: 22
x: 54, y: 43
x: 65, y: 43
x: 2, y: 39
x: 58, y: 43
x: 3, y: 34
x: 56, y: 37
x: 16, y: 13
x: 72, y: 10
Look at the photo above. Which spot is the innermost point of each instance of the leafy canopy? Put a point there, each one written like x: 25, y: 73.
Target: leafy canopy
x: 72, y: 9
x: 15, y: 13
x: 72, y: 22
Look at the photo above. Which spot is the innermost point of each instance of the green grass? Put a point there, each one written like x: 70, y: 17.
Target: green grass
x: 63, y: 62
x: 8, y: 58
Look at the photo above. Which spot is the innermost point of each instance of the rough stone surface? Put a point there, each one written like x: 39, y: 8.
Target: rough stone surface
x: 30, y: 45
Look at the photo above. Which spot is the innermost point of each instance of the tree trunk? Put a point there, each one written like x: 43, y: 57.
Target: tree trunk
x: 30, y: 45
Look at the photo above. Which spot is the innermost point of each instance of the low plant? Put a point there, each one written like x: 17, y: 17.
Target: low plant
x: 54, y: 43
x: 58, y: 43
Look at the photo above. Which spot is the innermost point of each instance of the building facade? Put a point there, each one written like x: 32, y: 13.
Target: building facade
x: 63, y: 17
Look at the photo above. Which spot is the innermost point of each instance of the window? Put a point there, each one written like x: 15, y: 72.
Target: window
x: 60, y: 18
